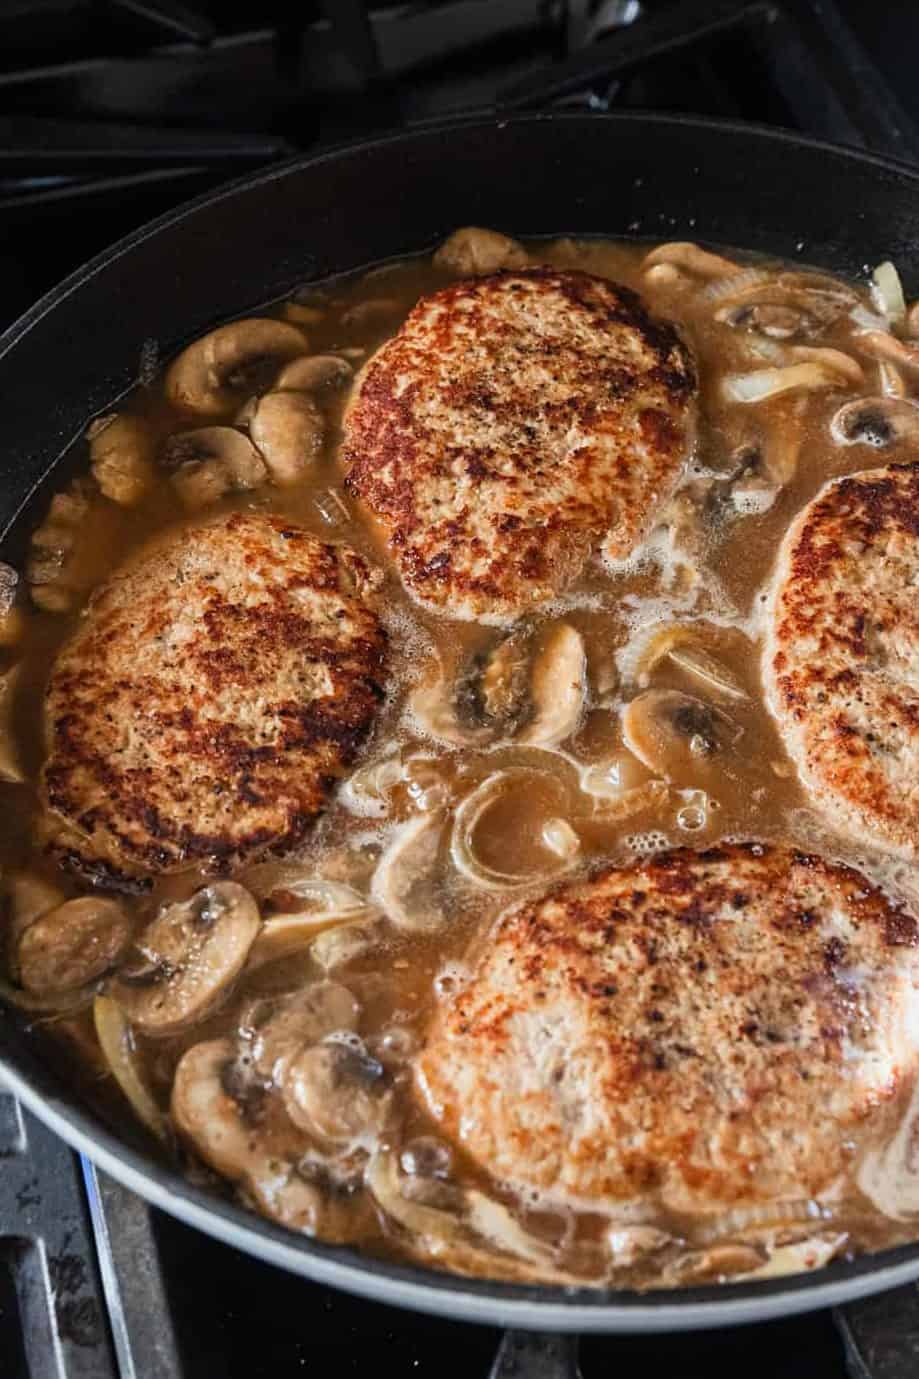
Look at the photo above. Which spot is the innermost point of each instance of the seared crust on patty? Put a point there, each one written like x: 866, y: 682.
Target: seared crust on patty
x: 841, y: 665
x: 698, y: 1029
x: 219, y: 684
x: 514, y: 424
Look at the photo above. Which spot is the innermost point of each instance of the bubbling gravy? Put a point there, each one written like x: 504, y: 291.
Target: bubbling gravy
x: 625, y: 718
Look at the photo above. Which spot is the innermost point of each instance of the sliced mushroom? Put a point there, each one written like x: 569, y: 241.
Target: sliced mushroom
x: 288, y: 429
x: 277, y: 1031
x: 72, y: 945
x: 475, y: 251
x: 50, y: 571
x: 213, y: 375
x: 875, y: 421
x: 211, y: 462
x: 558, y: 688
x: 336, y: 1092
x: 26, y: 896
x: 437, y: 713
x: 406, y: 883
x: 493, y: 690
x: 314, y: 373
x: 187, y: 958
x: 673, y: 733
x: 690, y: 256
x: 121, y: 452
x: 216, y: 1125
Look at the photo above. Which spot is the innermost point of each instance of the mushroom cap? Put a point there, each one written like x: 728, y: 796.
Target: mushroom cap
x: 288, y: 429
x: 212, y: 374
x: 187, y: 959
x: 72, y: 944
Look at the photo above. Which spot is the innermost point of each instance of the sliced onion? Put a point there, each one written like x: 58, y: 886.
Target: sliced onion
x: 755, y: 1216
x: 887, y: 292
x: 466, y: 821
x: 834, y: 360
x: 866, y: 320
x: 763, y: 383
x: 797, y: 1258
x: 732, y: 287
x: 282, y: 935
x: 440, y: 1234
x: 366, y: 792
x: 117, y: 1043
x: 891, y: 379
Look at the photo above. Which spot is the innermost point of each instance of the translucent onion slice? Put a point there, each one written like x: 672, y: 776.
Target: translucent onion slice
x: 467, y: 819
x: 281, y: 935
x: 679, y: 644
x: 763, y: 383
x: 843, y: 364
x: 405, y: 881
x: 887, y: 292
x: 738, y: 1221
x: 797, y: 1258
x: 117, y: 1043
x: 441, y: 1234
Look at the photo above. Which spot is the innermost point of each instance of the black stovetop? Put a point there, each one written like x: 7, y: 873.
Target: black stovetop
x: 111, y: 113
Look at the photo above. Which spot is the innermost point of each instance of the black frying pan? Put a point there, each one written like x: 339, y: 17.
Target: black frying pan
x: 79, y: 349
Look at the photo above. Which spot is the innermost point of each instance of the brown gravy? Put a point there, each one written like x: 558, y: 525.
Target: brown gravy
x: 704, y: 567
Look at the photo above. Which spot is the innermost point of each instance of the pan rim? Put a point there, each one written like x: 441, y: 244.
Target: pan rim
x: 534, y: 1307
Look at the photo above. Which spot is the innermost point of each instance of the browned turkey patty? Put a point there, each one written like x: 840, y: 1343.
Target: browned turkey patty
x: 697, y: 1029
x: 219, y: 684
x: 514, y: 425
x: 841, y: 666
